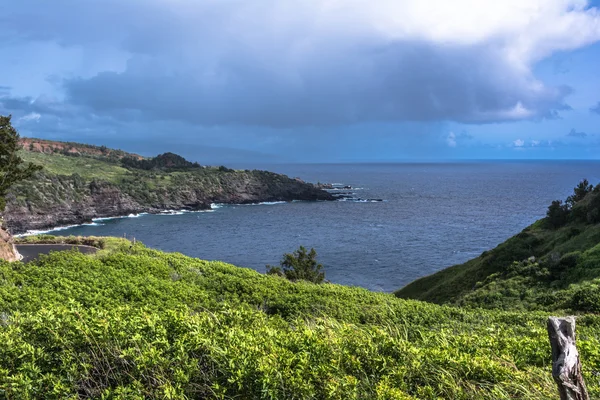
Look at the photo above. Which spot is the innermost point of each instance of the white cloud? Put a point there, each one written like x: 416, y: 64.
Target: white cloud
x: 519, y: 143
x: 451, y: 140
x: 33, y: 116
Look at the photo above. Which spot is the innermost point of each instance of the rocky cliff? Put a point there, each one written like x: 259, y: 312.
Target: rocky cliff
x: 7, y: 249
x: 52, y: 200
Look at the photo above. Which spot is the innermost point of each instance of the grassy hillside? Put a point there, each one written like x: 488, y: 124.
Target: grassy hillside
x: 553, y: 264
x: 86, y: 167
x: 132, y: 322
x: 81, y: 182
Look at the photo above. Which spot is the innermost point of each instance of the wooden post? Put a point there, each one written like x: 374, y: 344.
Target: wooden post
x: 566, y: 365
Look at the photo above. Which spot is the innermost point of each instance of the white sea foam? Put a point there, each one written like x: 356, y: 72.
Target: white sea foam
x: 104, y: 219
x: 58, y: 228
x: 355, y: 200
x: 100, y: 219
x: 171, y: 212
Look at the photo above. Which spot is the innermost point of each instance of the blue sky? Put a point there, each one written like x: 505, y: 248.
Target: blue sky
x: 235, y: 81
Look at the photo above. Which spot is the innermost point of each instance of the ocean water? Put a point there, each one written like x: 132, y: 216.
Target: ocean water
x: 433, y: 216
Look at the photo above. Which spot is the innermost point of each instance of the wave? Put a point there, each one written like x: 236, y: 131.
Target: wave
x: 181, y: 212
x: 100, y: 219
x: 266, y: 203
x: 262, y: 203
x: 171, y: 212
x: 58, y: 228
x: 356, y: 200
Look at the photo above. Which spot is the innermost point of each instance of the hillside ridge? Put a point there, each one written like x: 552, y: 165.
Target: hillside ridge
x: 72, y: 148
x: 81, y: 182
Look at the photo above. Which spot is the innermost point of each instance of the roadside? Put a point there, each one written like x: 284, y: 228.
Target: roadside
x: 30, y: 252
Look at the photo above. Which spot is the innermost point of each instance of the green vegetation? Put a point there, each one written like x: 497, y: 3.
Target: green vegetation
x: 80, y: 182
x: 162, y: 161
x: 85, y: 167
x: 12, y: 167
x: 138, y: 323
x: 300, y: 265
x: 552, y: 265
x: 132, y: 322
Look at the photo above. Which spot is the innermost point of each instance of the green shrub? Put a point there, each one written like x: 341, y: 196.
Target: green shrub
x: 557, y: 214
x: 139, y: 323
x: 300, y: 265
x: 586, y: 299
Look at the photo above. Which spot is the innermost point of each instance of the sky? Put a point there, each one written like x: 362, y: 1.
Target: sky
x: 238, y: 81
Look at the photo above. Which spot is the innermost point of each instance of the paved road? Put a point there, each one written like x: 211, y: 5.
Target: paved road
x: 32, y: 251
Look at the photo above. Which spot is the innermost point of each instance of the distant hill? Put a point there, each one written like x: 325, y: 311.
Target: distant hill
x: 553, y: 264
x: 80, y: 182
x: 162, y: 161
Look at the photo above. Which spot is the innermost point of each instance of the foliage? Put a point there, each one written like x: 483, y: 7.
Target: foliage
x: 139, y: 323
x: 557, y: 214
x: 12, y: 167
x: 579, y: 192
x: 162, y: 161
x: 70, y: 182
x: 300, y: 265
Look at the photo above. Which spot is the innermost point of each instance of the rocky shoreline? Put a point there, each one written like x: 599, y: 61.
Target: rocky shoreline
x: 67, y: 206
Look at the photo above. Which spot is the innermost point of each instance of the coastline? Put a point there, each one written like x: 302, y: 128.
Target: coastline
x: 97, y: 221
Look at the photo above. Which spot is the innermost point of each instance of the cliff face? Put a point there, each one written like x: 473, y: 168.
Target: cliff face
x: 7, y: 250
x: 51, y: 200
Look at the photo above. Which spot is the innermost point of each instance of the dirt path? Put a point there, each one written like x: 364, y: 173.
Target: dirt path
x: 32, y: 251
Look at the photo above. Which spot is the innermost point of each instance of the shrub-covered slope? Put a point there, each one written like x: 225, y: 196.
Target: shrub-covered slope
x: 80, y: 182
x: 132, y: 322
x: 553, y: 264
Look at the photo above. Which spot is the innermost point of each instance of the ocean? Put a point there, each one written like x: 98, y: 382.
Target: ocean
x: 432, y: 216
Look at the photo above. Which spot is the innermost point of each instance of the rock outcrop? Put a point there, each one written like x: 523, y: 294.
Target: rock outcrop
x: 7, y: 248
x: 53, y: 200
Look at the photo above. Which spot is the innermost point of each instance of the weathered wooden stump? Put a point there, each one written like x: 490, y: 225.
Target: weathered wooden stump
x: 566, y: 365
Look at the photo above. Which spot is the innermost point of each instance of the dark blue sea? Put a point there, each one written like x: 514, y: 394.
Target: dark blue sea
x: 433, y: 216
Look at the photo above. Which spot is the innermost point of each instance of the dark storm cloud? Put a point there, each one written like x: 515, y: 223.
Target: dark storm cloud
x: 208, y: 64
x: 395, y: 82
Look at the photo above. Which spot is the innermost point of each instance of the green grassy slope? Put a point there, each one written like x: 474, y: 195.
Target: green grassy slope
x: 87, y: 167
x: 132, y: 322
x: 564, y: 272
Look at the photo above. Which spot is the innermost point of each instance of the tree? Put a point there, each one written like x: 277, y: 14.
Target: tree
x: 12, y: 167
x: 579, y: 192
x: 557, y: 214
x: 300, y: 265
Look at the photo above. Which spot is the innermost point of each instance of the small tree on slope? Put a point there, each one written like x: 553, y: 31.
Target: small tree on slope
x: 300, y: 265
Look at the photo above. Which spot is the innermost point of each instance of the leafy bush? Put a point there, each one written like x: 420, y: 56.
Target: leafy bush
x: 139, y: 323
x: 586, y: 299
x: 300, y: 265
